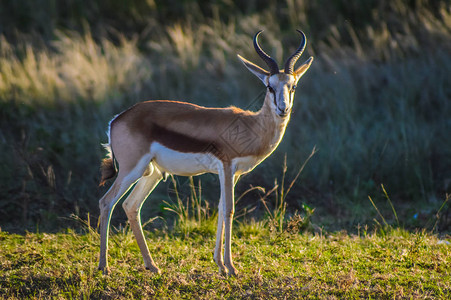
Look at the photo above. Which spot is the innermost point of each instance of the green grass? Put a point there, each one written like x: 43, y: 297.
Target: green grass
x: 375, y: 101
x: 397, y: 264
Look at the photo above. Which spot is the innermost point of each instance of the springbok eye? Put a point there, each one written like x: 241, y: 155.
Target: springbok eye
x: 271, y: 89
x: 293, y: 88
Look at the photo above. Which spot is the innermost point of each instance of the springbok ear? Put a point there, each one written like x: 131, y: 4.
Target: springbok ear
x: 303, y: 68
x: 256, y: 70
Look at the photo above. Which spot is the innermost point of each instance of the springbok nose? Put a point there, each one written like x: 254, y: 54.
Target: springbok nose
x: 284, y: 112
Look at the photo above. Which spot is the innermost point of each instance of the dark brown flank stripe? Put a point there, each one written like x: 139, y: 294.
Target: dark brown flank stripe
x: 141, y: 116
x: 181, y: 142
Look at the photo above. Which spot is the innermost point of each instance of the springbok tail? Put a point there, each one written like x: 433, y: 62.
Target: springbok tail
x: 107, y: 168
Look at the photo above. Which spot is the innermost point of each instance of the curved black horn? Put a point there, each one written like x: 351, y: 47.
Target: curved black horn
x: 289, y: 65
x: 273, y: 67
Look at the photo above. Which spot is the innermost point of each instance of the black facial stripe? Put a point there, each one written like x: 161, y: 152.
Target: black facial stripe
x: 273, y: 92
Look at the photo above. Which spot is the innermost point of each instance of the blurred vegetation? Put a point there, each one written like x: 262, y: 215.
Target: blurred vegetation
x: 376, y: 102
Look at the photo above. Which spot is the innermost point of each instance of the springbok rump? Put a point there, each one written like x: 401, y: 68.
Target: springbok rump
x: 153, y: 138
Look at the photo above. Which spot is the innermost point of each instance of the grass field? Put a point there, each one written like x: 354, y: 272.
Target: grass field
x: 391, y: 264
x: 375, y: 102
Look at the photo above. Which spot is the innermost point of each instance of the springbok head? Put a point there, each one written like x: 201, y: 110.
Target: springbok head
x: 281, y: 84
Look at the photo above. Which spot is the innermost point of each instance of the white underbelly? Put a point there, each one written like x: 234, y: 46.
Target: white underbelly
x: 185, y: 164
x: 190, y: 164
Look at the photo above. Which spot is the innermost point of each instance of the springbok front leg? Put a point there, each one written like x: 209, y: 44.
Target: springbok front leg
x: 220, y: 233
x: 226, y: 177
x: 132, y: 206
x: 219, y: 237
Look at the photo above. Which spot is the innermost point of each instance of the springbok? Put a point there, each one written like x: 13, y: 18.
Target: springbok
x: 154, y: 138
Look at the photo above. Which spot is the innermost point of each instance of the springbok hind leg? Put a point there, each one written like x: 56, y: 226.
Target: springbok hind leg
x: 107, y: 204
x: 132, y: 206
x: 126, y: 177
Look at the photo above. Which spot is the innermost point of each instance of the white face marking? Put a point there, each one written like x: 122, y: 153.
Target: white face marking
x: 282, y: 87
x: 185, y: 164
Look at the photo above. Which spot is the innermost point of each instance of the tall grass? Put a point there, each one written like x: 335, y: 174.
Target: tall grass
x: 194, y: 214
x: 375, y: 102
x: 276, y: 216
x: 75, y: 68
